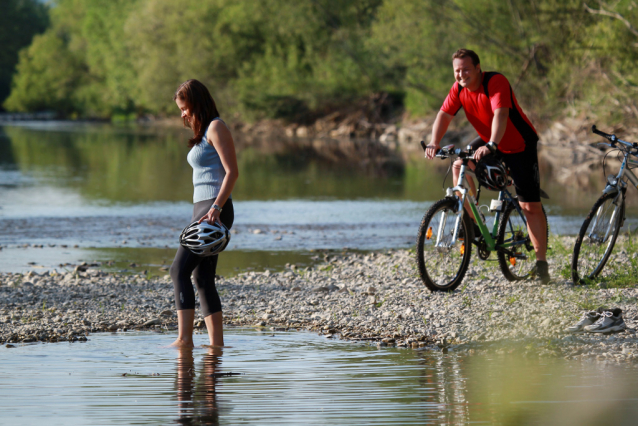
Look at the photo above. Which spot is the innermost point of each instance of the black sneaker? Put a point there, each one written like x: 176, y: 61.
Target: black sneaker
x: 610, y: 321
x: 542, y: 270
x: 588, y: 318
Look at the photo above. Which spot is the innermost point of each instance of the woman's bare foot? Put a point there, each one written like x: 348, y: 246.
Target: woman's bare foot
x: 214, y: 350
x: 215, y: 328
x: 181, y: 343
x: 184, y: 339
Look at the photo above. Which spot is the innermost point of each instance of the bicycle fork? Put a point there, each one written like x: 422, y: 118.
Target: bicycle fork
x: 600, y: 215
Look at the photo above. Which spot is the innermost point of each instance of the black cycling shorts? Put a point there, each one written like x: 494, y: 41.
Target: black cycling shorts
x: 523, y: 170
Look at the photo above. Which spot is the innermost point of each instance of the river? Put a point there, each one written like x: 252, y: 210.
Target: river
x: 119, y: 196
x: 301, y: 378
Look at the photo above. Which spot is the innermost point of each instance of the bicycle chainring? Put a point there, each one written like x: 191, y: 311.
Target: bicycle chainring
x: 483, y: 252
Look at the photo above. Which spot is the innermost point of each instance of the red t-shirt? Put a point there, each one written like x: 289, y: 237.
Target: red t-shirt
x: 479, y: 110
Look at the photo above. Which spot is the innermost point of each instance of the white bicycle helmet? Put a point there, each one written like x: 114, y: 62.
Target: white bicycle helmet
x: 491, y: 173
x: 205, y: 239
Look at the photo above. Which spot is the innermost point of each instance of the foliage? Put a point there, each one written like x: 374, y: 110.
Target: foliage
x: 20, y: 20
x: 292, y: 60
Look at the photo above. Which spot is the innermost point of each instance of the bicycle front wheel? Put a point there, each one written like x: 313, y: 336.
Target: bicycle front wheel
x: 443, y: 260
x: 597, y: 237
x: 516, y: 258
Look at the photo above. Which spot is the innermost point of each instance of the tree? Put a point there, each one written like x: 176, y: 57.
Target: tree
x: 20, y: 20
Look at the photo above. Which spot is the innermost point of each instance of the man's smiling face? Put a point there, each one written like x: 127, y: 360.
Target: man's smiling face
x: 466, y: 73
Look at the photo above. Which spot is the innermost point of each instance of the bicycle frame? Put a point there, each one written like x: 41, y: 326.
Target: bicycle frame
x: 617, y: 184
x: 504, y: 196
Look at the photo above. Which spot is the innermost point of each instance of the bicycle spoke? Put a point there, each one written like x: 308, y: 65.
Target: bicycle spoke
x: 595, y: 244
x: 517, y: 257
x: 442, y: 258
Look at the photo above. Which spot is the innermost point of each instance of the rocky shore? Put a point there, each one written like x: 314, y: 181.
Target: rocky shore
x: 375, y: 297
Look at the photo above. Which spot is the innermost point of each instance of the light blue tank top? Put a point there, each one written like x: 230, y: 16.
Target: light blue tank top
x: 208, y: 171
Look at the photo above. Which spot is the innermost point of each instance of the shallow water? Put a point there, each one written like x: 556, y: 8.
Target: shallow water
x: 300, y: 378
x: 86, y: 191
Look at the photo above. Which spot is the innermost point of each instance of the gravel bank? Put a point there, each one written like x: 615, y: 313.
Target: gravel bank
x: 374, y: 297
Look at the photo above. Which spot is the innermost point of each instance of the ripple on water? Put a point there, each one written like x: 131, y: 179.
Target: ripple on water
x: 298, y: 378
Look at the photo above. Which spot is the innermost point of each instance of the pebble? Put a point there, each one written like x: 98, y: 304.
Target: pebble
x: 371, y: 297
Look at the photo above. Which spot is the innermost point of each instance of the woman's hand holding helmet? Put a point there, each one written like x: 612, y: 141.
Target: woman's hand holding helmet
x: 211, y: 217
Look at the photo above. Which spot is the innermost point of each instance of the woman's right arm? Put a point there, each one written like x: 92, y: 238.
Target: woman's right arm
x: 221, y: 139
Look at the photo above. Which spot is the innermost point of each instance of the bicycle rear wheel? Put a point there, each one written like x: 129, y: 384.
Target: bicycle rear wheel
x: 443, y: 261
x: 597, y: 237
x: 520, y: 262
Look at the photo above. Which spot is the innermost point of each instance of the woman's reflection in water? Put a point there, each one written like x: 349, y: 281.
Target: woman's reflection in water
x: 196, y: 395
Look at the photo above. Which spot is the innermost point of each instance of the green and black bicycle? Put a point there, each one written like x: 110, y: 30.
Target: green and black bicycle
x: 446, y: 234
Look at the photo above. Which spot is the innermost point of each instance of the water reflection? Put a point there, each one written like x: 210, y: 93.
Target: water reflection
x: 143, y: 164
x: 508, y: 388
x: 134, y: 186
x: 302, y: 378
x: 103, y: 163
x: 447, y: 375
x: 197, y: 393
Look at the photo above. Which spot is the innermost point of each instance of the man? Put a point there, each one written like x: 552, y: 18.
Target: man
x: 491, y: 107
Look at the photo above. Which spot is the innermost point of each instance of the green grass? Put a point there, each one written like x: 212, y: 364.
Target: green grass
x: 614, y: 275
x: 512, y: 299
x: 621, y: 270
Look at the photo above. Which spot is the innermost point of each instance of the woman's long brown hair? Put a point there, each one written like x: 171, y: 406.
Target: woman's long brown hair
x: 201, y: 105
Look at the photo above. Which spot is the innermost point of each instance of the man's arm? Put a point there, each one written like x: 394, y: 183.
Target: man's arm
x: 499, y: 124
x: 442, y: 122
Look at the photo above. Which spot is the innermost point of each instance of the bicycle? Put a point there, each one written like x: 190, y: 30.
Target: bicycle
x: 600, y: 229
x: 443, y: 252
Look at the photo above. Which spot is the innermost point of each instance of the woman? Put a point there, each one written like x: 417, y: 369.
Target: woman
x: 214, y: 163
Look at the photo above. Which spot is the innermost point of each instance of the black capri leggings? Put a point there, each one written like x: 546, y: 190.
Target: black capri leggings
x: 201, y: 268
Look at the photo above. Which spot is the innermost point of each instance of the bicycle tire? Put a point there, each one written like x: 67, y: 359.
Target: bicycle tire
x: 437, y: 264
x: 516, y: 269
x: 580, y: 259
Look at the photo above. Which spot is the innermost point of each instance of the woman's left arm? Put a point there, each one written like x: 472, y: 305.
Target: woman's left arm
x: 220, y: 138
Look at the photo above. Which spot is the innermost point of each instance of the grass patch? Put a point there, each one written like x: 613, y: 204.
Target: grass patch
x: 589, y: 303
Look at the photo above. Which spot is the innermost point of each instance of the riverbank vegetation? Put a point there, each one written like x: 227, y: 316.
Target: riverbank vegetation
x: 298, y: 61
x: 20, y: 20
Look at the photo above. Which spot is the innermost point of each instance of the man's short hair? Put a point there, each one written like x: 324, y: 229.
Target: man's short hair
x: 467, y: 53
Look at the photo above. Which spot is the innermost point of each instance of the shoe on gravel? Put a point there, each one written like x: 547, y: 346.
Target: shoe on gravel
x: 610, y: 321
x: 542, y: 270
x: 588, y: 318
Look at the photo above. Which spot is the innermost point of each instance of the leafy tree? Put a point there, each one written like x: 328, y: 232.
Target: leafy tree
x: 294, y: 60
x: 20, y: 20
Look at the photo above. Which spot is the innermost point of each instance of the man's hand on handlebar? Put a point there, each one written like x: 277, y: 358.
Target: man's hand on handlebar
x: 431, y: 150
x: 481, y: 152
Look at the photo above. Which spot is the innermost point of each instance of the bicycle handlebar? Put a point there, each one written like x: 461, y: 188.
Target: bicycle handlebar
x: 446, y: 152
x: 613, y: 138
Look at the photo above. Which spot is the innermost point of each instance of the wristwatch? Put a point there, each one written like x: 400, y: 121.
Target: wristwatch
x: 216, y: 207
x: 493, y: 147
